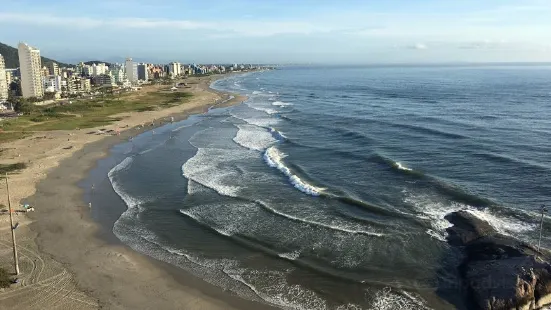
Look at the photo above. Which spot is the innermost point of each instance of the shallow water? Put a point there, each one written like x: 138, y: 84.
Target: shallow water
x: 328, y: 188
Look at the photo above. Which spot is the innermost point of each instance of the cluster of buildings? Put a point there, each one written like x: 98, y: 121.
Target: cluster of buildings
x: 33, y: 80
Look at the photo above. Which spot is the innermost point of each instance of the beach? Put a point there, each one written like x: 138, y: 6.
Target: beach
x: 69, y: 261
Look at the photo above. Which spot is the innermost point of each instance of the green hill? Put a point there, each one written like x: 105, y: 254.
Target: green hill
x: 12, y: 58
x: 91, y: 62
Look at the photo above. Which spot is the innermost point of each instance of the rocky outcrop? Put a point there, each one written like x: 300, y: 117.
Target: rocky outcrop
x: 499, y: 272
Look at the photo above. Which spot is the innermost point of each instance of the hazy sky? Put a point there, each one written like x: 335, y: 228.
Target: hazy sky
x: 282, y: 31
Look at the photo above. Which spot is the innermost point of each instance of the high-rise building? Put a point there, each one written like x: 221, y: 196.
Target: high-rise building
x: 30, y: 66
x: 174, y: 69
x: 131, y: 70
x: 3, y: 81
x: 54, y: 69
x: 143, y: 72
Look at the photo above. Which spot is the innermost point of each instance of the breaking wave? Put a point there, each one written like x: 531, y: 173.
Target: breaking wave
x: 274, y: 158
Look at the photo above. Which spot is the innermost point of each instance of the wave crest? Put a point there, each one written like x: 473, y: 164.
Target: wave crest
x: 274, y: 158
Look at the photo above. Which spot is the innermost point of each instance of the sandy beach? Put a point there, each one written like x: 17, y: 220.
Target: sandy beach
x: 67, y: 260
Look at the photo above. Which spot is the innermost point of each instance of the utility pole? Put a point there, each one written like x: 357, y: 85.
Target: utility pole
x: 543, y: 210
x: 16, y: 260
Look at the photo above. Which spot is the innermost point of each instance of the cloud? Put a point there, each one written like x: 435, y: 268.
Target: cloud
x: 484, y: 45
x: 224, y: 28
x: 419, y: 46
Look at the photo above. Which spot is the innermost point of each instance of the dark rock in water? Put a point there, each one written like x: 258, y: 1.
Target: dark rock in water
x: 467, y: 228
x: 499, y: 272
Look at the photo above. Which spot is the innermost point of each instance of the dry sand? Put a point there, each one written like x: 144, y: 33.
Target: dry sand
x: 66, y: 262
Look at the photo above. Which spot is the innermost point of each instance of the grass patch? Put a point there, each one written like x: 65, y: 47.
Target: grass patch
x: 11, y: 168
x: 5, y: 278
x: 88, y: 113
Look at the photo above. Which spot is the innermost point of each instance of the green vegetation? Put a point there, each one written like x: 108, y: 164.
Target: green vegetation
x: 5, y: 278
x: 12, y: 58
x: 85, y: 113
x: 11, y: 168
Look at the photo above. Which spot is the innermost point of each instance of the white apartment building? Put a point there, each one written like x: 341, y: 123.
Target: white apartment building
x: 87, y: 70
x: 118, y: 75
x: 31, y: 71
x: 53, y: 83
x: 4, y: 86
x: 99, y: 69
x: 131, y: 70
x: 174, y: 69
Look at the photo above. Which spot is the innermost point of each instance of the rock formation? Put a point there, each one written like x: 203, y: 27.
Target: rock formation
x: 499, y: 272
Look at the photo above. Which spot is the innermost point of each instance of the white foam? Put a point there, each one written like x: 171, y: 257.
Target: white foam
x: 194, y: 188
x: 279, y: 135
x: 273, y: 288
x: 274, y: 158
x: 349, y: 307
x: 387, y: 300
x: 435, y: 211
x: 290, y: 255
x: 130, y: 201
x: 256, y: 92
x: 265, y: 122
x: 266, y: 110
x: 282, y: 104
x: 208, y: 168
x: 253, y: 137
x: 197, y: 217
x: 121, y: 166
x: 331, y: 226
x: 401, y: 167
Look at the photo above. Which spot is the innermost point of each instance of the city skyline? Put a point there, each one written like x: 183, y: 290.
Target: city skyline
x: 349, y: 32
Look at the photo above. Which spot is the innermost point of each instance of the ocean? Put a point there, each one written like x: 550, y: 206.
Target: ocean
x: 328, y: 187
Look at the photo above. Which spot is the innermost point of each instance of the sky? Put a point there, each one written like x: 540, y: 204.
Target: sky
x: 282, y: 31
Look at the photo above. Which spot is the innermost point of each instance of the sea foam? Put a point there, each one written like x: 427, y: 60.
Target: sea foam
x: 435, y: 211
x: 129, y: 200
x: 341, y: 227
x: 253, y: 137
x: 274, y: 158
x: 282, y: 104
x: 210, y: 168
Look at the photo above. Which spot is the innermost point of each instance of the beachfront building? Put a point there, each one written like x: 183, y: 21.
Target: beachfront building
x: 104, y: 80
x: 131, y: 70
x: 4, y: 85
x: 87, y: 70
x: 98, y: 69
x: 53, y: 69
x: 77, y: 84
x: 174, y: 69
x: 30, y: 66
x: 53, y: 83
x: 85, y: 85
x: 156, y: 72
x: 117, y: 72
x: 143, y: 73
x: 79, y: 69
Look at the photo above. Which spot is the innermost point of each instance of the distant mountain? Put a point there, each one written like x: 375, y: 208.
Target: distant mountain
x: 12, y: 58
x: 91, y: 62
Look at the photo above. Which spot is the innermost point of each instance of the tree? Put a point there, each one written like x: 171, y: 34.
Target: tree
x: 22, y: 105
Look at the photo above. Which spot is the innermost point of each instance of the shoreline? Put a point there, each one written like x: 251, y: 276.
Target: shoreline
x: 96, y: 272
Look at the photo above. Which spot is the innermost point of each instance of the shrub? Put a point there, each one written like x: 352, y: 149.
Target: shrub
x: 5, y: 278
